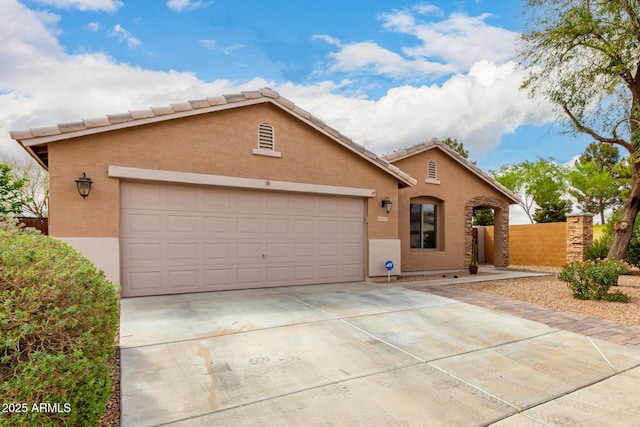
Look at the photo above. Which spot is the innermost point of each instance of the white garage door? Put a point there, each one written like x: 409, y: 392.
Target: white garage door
x: 178, y: 238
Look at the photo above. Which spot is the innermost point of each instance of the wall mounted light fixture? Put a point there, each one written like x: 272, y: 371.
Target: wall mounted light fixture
x: 84, y: 185
x: 387, y: 204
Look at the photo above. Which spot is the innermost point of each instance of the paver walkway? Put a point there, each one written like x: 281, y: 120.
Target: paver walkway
x: 585, y: 325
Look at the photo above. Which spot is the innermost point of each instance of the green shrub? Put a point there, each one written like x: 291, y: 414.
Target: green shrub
x: 58, y: 320
x: 599, y: 249
x: 591, y: 279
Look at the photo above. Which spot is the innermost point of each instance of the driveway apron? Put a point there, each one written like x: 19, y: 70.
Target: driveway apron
x: 360, y: 354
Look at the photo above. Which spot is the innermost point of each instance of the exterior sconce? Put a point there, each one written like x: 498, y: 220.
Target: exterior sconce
x: 387, y: 204
x: 84, y: 185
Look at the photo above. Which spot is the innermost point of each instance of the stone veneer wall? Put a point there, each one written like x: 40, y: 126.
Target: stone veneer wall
x: 579, y: 235
x: 501, y: 213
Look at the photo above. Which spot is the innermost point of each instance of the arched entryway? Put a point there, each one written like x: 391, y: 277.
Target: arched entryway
x: 501, y: 228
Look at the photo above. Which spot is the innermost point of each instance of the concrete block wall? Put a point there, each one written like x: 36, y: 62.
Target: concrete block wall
x: 551, y: 244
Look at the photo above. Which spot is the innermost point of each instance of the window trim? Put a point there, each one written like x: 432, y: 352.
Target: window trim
x: 439, y: 218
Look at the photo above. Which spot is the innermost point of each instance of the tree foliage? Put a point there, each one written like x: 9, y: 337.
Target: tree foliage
x: 458, y: 147
x: 483, y: 217
x: 11, y: 201
x: 584, y: 57
x: 541, y: 183
x: 599, y: 179
x: 35, y: 191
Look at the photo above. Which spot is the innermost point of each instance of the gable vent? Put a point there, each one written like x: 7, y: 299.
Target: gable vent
x: 266, y: 136
x: 431, y: 170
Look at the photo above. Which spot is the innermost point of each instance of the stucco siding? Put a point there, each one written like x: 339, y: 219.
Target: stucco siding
x: 457, y: 186
x: 219, y: 143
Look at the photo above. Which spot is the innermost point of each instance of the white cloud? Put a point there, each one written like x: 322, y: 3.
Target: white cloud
x: 370, y: 57
x: 208, y: 43
x: 477, y: 107
x: 85, y: 5
x: 444, y: 46
x: 182, y: 5
x: 93, y: 26
x: 125, y: 36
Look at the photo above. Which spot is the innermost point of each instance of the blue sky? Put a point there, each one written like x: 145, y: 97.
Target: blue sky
x: 388, y: 74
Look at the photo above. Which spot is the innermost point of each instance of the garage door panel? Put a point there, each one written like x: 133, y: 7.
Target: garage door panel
x: 178, y: 238
x: 252, y: 225
x: 183, y: 251
x: 217, y: 224
x: 303, y: 250
x: 218, y: 251
x: 182, y: 198
x: 328, y: 272
x: 183, y: 279
x: 304, y: 226
x: 178, y: 224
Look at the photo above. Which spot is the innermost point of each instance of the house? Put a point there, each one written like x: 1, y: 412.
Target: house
x: 243, y: 191
x: 435, y: 221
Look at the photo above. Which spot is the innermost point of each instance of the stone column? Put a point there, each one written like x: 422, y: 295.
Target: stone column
x: 579, y: 235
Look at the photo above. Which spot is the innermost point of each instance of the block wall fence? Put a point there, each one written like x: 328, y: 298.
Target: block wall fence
x: 550, y: 245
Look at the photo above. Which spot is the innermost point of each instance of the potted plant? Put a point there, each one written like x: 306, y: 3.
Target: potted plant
x: 473, y: 265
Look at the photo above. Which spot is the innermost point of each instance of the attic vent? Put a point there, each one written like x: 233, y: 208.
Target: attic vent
x: 266, y: 136
x: 266, y: 141
x: 432, y: 175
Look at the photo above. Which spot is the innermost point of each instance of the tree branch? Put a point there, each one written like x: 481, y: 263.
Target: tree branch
x: 597, y: 136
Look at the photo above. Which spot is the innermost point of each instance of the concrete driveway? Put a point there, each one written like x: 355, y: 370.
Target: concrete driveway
x: 361, y: 354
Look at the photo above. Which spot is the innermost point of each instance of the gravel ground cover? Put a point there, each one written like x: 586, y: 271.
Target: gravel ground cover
x: 551, y: 292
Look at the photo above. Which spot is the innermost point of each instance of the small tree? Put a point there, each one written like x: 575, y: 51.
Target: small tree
x: 35, y: 191
x: 540, y: 183
x: 11, y: 201
x: 483, y: 217
x: 458, y: 147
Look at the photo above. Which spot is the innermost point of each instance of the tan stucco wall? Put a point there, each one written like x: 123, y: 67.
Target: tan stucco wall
x: 457, y: 186
x: 218, y: 143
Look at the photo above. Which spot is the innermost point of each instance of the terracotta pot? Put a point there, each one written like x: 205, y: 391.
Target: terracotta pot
x: 473, y: 270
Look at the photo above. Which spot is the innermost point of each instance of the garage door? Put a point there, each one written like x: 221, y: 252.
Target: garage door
x: 179, y: 238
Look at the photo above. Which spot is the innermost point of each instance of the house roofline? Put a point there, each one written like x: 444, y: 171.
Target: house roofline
x: 404, y: 153
x: 31, y: 139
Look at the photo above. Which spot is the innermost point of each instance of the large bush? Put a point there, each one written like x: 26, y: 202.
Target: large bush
x: 591, y: 280
x: 58, y: 320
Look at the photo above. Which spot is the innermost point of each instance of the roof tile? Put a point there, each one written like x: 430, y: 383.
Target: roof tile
x: 216, y: 100
x: 269, y: 93
x: 234, y: 97
x: 96, y: 122
x: 142, y: 114
x: 119, y: 117
x: 182, y: 106
x: 21, y: 134
x: 161, y: 111
x: 45, y: 131
x: 71, y: 126
x: 199, y: 103
x: 304, y: 113
x: 252, y: 94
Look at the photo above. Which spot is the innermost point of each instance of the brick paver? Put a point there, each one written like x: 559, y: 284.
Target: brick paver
x: 586, y: 325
